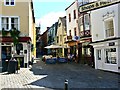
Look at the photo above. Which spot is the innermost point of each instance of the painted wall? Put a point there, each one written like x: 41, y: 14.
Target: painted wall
x: 0, y: 60
x: 119, y: 19
x: 98, y: 33
x: 61, y: 33
x: 23, y: 10
x: 97, y: 24
x: 118, y: 53
x: 74, y: 22
x: 20, y: 9
x: 52, y: 32
x: 32, y: 30
x: 100, y: 64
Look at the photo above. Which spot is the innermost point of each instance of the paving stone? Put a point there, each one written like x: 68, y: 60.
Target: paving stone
x: 20, y: 80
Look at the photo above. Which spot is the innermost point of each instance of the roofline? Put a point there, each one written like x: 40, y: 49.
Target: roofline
x: 32, y: 11
x: 70, y: 5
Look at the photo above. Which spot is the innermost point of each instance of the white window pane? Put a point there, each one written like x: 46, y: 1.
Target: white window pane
x: 86, y: 18
x: 5, y: 26
x: 110, y: 55
x: 5, y: 23
x: 16, y: 26
x: 99, y: 54
x: 12, y: 20
x: 5, y: 20
x: 87, y: 22
x: 87, y: 27
x: 81, y: 28
x: 16, y: 20
x: 109, y: 26
x: 12, y: 2
x: 7, y: 2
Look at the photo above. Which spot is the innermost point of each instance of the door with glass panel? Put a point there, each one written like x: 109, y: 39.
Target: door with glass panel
x: 99, y: 59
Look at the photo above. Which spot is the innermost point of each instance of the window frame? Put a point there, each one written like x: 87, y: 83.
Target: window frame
x: 75, y: 31
x: 9, y: 3
x: 107, y: 61
x: 74, y: 14
x: 99, y: 54
x: 81, y: 24
x: 105, y: 21
x: 86, y: 22
x: 69, y: 17
x: 9, y: 17
x: 70, y: 33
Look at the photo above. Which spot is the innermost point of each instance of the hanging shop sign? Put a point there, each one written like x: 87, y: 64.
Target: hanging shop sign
x: 95, y: 5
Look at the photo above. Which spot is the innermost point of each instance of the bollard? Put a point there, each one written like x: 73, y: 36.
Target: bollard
x: 66, y: 84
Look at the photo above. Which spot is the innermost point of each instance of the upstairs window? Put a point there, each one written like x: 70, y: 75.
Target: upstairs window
x: 81, y: 23
x: 74, y: 14
x: 70, y: 32
x: 9, y: 2
x: 69, y: 17
x: 10, y: 23
x: 57, y: 39
x: 75, y: 32
x: 86, y: 22
x: 109, y: 28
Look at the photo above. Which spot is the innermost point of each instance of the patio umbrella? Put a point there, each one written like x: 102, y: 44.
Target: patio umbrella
x: 53, y: 47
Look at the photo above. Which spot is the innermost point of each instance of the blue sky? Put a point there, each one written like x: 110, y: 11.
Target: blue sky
x: 48, y: 11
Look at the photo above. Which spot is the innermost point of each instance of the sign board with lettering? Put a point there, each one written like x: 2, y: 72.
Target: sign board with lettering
x: 95, y: 5
x: 112, y: 44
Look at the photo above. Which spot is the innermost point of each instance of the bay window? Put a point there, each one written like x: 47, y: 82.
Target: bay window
x: 81, y: 23
x: 87, y: 22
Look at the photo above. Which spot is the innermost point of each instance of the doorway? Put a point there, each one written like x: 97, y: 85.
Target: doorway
x: 6, y: 56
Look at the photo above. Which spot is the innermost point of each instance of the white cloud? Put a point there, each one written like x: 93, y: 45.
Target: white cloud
x: 49, y: 19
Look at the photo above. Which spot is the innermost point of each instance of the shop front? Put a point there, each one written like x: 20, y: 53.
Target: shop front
x: 20, y: 51
x: 87, y: 52
x: 107, y: 55
x: 73, y: 48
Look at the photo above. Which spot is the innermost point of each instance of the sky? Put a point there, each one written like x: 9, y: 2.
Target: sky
x: 47, y: 12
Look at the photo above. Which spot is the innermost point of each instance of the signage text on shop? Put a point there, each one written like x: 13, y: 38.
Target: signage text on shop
x: 95, y: 5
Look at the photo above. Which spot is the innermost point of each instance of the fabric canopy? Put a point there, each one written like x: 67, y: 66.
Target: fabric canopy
x: 54, y: 46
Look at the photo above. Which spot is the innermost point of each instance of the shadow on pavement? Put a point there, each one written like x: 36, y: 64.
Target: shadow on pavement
x: 80, y: 77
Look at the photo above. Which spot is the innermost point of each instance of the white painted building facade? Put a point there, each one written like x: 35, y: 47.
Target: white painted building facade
x: 105, y: 27
x: 72, y: 19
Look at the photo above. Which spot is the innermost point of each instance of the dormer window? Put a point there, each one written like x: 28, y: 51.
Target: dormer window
x: 9, y: 2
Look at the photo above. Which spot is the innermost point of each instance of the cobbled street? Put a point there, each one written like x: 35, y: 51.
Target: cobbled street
x: 78, y: 76
x: 52, y: 77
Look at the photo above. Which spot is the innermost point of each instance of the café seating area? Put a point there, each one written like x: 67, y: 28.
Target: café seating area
x: 48, y: 59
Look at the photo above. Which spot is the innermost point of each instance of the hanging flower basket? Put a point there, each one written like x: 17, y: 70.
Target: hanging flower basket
x: 4, y: 32
x: 15, y: 35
